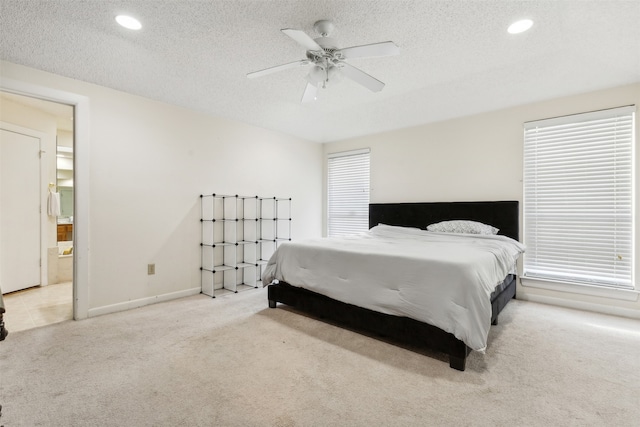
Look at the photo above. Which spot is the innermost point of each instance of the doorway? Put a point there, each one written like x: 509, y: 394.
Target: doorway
x: 42, y: 166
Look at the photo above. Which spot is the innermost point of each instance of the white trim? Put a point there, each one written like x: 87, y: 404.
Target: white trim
x: 81, y: 182
x: 580, y: 305
x: 596, y: 291
x: 81, y: 219
x: 128, y: 305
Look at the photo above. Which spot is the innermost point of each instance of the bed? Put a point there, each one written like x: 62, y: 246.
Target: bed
x: 417, y: 328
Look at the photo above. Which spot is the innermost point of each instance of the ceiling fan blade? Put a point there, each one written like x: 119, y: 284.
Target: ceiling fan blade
x: 362, y: 78
x: 310, y: 93
x: 302, y: 38
x: 270, y: 70
x: 375, y: 49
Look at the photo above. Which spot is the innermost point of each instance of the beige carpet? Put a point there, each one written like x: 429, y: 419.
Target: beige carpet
x: 231, y: 361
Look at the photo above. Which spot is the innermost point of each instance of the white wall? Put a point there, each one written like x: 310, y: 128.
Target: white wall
x: 480, y: 158
x: 148, y: 164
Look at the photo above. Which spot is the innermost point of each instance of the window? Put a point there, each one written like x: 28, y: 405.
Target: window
x: 348, y: 192
x: 578, y: 198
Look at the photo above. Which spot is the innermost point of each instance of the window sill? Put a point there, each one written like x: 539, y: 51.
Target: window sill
x: 598, y: 291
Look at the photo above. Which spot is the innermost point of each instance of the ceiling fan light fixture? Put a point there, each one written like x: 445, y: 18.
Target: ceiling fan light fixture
x: 317, y: 75
x: 520, y: 26
x: 333, y: 74
x: 128, y: 22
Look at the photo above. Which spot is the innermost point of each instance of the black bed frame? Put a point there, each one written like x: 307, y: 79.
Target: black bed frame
x: 502, y: 214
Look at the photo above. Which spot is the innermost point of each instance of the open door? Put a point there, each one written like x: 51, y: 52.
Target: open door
x: 19, y: 211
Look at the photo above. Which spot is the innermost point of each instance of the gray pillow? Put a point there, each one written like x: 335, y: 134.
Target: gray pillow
x: 462, y: 226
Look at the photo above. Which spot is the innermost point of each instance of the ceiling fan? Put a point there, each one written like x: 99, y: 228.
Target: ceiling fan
x: 327, y: 61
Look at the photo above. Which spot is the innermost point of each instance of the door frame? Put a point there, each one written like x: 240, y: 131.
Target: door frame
x: 44, y: 141
x: 80, y: 182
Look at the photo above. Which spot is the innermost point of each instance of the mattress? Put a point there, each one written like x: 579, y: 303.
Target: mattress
x: 442, y: 279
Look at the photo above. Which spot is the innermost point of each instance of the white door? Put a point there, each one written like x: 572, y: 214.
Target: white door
x: 19, y: 211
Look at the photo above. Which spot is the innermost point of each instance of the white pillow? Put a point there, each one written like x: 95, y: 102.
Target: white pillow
x: 462, y: 226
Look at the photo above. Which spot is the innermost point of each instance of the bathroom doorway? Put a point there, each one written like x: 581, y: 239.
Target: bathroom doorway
x: 51, y: 299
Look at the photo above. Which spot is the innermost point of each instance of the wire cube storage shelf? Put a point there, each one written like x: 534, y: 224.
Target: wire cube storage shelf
x: 238, y: 236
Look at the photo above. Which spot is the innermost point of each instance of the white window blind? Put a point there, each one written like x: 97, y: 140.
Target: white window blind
x: 578, y: 198
x: 347, y: 192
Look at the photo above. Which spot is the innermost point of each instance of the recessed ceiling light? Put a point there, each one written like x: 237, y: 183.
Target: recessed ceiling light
x: 520, y: 26
x: 128, y: 22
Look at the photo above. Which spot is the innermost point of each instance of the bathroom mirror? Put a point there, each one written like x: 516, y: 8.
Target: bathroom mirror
x: 66, y: 202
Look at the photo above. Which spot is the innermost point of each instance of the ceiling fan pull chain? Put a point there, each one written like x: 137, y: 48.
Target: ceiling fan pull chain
x: 326, y: 73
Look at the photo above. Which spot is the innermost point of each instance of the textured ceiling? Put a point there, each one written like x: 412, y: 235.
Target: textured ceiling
x: 456, y: 57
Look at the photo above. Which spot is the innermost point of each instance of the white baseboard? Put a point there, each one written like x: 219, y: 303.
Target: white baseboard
x: 128, y: 305
x: 580, y: 305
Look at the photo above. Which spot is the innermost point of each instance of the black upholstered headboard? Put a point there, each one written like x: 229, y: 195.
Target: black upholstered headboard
x: 503, y: 215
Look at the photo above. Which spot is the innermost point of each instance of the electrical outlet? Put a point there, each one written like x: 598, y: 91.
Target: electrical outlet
x: 151, y: 269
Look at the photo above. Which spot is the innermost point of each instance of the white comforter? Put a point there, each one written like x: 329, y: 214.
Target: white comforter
x: 442, y: 279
